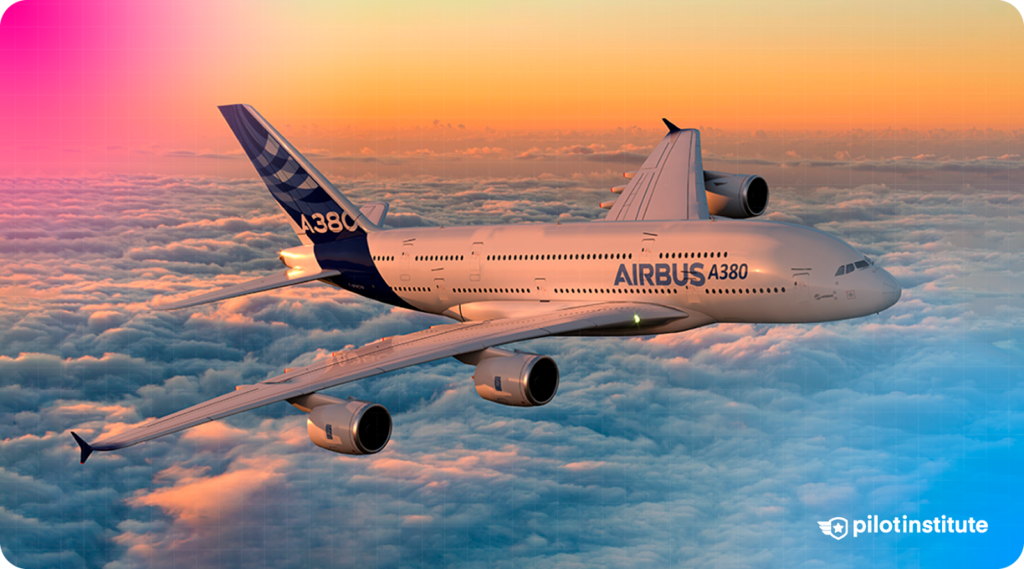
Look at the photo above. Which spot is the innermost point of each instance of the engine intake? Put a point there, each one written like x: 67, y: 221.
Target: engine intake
x: 350, y: 427
x: 738, y: 196
x: 519, y: 379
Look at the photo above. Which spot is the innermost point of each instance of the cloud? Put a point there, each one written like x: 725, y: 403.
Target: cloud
x: 594, y: 152
x: 679, y: 449
x: 197, y: 499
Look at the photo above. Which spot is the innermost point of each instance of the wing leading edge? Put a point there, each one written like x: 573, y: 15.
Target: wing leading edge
x: 387, y: 355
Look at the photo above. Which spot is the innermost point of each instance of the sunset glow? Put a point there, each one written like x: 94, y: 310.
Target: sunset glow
x: 114, y: 86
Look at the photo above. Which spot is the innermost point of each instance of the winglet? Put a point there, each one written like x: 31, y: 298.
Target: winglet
x: 671, y: 127
x: 86, y: 449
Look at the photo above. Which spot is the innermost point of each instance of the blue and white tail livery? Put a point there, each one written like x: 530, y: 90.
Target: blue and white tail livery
x: 677, y: 252
x: 319, y: 213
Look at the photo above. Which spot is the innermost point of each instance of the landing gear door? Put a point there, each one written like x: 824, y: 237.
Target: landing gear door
x: 475, y: 260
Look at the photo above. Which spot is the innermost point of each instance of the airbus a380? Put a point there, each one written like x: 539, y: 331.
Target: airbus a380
x: 675, y: 252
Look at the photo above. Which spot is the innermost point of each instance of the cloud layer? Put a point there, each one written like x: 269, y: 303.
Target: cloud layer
x: 719, y: 447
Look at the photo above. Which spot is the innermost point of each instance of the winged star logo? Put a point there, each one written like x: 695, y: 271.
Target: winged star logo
x: 836, y: 527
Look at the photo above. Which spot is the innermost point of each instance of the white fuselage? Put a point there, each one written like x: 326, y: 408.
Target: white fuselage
x: 717, y: 271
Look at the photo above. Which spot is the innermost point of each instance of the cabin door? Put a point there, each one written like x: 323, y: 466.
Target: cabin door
x: 475, y: 261
x: 441, y: 291
x: 803, y: 292
x: 405, y: 261
x: 647, y: 250
x: 542, y: 289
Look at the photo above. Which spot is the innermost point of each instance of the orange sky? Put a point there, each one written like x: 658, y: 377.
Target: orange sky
x: 147, y: 75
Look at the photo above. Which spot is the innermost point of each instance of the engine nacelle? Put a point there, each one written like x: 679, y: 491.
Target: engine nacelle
x: 521, y: 380
x: 350, y: 427
x: 738, y: 196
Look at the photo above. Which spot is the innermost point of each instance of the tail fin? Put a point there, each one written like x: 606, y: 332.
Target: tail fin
x: 317, y: 210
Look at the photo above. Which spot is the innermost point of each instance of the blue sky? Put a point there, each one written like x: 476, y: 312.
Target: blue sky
x: 719, y: 447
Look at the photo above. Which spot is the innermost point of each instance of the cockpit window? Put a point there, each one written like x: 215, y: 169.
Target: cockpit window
x: 850, y: 267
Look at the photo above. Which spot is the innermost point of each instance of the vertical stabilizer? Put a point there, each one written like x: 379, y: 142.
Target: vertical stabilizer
x: 318, y: 212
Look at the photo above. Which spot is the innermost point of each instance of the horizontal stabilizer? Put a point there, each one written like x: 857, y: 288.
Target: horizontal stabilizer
x: 277, y: 280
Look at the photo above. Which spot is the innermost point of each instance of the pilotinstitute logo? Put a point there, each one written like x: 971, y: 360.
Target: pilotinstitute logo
x: 837, y: 528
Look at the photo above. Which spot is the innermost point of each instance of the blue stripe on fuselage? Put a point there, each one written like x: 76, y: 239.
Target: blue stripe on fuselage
x: 351, y: 257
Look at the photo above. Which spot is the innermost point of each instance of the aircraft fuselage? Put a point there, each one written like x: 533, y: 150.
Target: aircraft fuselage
x: 720, y: 270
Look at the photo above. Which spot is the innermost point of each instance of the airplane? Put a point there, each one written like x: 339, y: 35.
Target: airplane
x: 677, y: 250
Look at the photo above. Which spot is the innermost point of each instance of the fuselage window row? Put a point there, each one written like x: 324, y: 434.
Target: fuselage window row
x: 570, y: 257
x: 743, y: 291
x: 702, y: 255
x: 492, y: 290
x: 439, y: 258
x: 616, y: 290
x: 563, y: 257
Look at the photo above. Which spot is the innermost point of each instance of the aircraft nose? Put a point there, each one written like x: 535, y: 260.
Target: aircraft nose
x: 891, y: 289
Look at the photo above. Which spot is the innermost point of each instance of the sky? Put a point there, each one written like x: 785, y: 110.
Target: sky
x: 897, y: 126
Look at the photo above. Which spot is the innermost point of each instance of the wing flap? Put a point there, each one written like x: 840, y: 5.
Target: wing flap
x: 389, y: 354
x: 262, y: 284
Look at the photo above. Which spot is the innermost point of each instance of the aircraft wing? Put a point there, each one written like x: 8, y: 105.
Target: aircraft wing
x: 386, y: 355
x: 276, y: 280
x: 670, y: 184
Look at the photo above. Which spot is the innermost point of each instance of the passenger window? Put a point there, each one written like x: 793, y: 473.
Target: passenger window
x: 841, y: 271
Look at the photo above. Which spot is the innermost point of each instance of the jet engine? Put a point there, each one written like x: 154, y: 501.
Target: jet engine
x: 349, y: 427
x: 738, y: 196
x: 518, y: 379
